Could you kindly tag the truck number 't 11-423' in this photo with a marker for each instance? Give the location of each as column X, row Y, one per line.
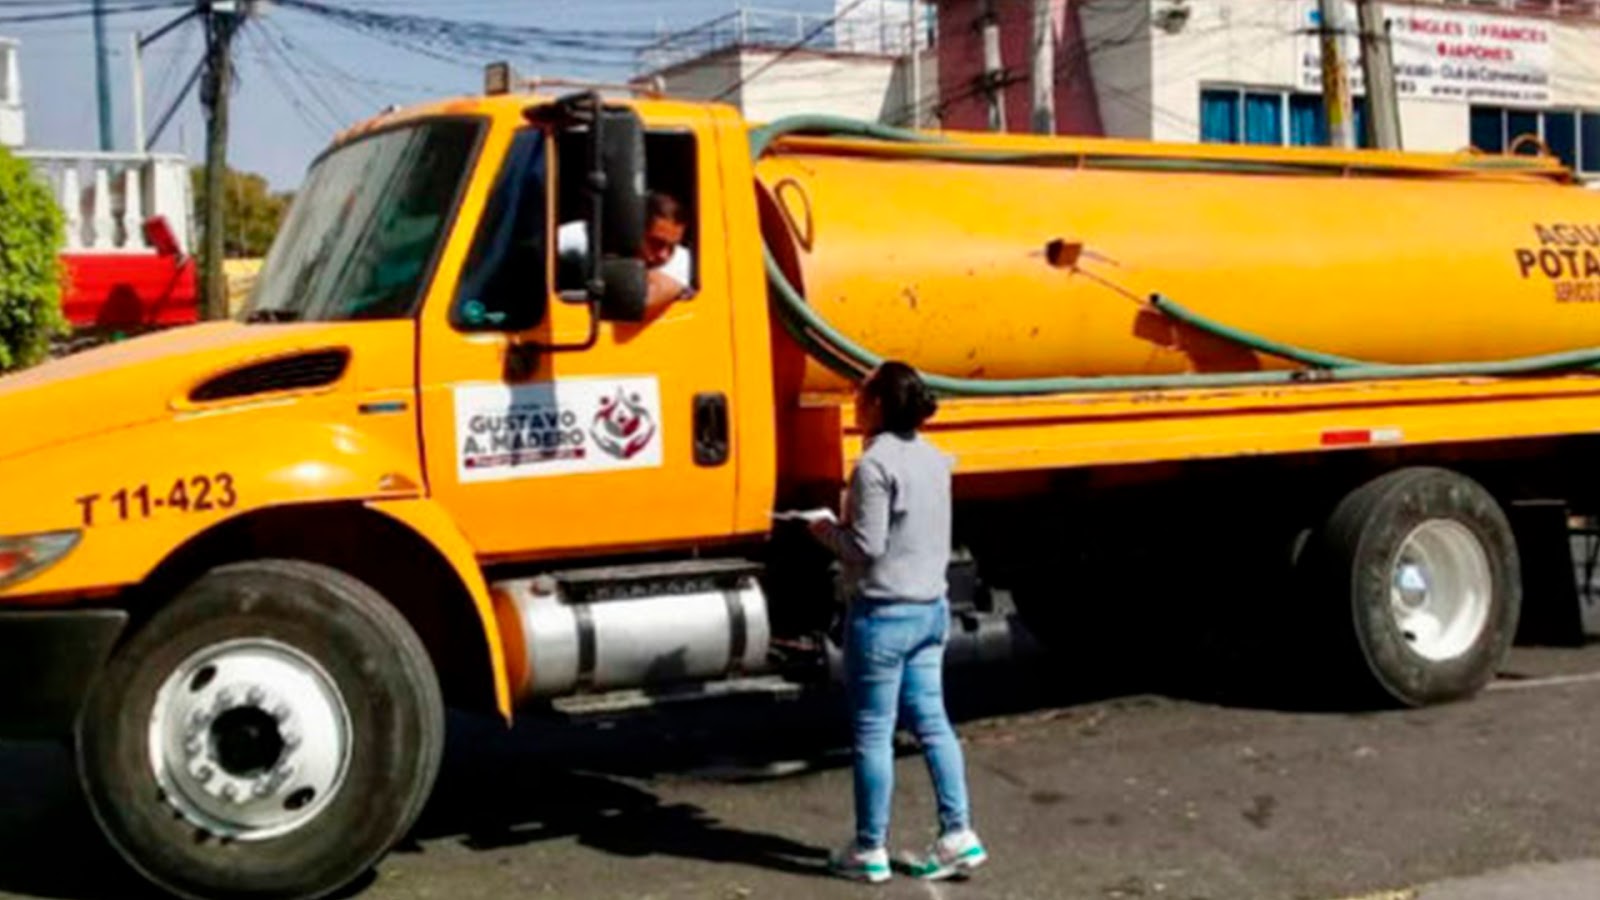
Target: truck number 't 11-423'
column 200, row 493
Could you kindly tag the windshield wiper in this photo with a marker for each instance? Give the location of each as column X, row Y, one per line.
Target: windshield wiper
column 272, row 315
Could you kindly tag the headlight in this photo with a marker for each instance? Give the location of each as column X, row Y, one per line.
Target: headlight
column 26, row 556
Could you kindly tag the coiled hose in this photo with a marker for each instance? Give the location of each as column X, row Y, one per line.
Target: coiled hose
column 843, row 355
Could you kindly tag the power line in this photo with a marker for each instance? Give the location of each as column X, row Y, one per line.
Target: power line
column 317, row 129
column 337, row 117
column 574, row 47
column 171, row 70
column 403, row 44
column 88, row 12
column 362, row 90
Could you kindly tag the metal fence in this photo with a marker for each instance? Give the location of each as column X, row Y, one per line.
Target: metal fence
column 1590, row 8
column 757, row 27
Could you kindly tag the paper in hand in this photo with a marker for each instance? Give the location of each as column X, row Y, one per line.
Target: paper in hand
column 807, row 516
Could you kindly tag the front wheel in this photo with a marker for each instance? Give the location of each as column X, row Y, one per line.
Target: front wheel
column 1418, row 576
column 269, row 734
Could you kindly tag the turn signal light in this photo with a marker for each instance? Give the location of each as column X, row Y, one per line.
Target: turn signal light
column 25, row 556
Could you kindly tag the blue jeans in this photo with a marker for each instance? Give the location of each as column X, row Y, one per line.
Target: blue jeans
column 894, row 658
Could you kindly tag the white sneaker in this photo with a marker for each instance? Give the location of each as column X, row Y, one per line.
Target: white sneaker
column 854, row 863
column 956, row 853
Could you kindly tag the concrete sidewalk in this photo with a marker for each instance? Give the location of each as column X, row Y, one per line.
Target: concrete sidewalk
column 1578, row 880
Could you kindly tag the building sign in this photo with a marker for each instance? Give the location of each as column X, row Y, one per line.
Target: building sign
column 1445, row 55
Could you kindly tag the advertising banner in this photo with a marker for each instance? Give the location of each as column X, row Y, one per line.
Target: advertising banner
column 1445, row 55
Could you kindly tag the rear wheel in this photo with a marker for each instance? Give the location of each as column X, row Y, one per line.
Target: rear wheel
column 269, row 734
column 1417, row 576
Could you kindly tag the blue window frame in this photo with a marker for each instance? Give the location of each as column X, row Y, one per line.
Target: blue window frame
column 1573, row 136
column 1305, row 121
column 1561, row 136
column 1270, row 117
column 1263, row 119
column 1219, row 117
column 1589, row 143
column 1488, row 129
column 1358, row 121
column 1521, row 122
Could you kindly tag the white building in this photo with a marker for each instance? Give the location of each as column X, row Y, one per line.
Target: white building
column 13, row 122
column 773, row 63
column 104, row 197
column 1470, row 74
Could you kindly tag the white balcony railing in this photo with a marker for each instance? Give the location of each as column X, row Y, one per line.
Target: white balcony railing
column 106, row 197
column 1565, row 8
column 871, row 31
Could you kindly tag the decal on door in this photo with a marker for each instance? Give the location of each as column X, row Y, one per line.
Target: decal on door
column 560, row 427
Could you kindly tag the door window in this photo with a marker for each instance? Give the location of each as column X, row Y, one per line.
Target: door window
column 670, row 180
column 504, row 285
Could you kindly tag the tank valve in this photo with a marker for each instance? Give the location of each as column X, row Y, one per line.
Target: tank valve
column 1063, row 254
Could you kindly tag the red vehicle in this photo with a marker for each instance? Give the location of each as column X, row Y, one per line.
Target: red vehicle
column 127, row 292
column 126, row 220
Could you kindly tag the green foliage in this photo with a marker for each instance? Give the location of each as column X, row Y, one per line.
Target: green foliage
column 31, row 274
column 251, row 212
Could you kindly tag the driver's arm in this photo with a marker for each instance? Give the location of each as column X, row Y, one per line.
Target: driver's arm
column 670, row 283
column 664, row 290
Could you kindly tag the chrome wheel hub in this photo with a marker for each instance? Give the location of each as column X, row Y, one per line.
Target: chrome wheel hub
column 249, row 739
column 1440, row 589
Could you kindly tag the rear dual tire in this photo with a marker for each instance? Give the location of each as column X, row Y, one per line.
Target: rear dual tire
column 1417, row 577
column 1407, row 593
column 268, row 735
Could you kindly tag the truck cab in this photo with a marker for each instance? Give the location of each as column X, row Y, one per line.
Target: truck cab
column 420, row 399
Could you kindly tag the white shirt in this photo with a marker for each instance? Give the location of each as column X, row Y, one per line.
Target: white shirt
column 572, row 240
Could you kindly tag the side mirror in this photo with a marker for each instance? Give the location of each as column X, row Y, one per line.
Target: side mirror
column 625, row 290
column 620, row 166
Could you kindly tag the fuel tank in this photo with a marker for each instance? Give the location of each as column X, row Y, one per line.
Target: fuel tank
column 1391, row 258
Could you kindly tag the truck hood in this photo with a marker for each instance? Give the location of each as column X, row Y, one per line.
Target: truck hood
column 142, row 380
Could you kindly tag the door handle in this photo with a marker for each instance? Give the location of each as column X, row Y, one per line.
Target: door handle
column 710, row 429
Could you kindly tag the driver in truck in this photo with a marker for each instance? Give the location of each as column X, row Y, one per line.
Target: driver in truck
column 670, row 263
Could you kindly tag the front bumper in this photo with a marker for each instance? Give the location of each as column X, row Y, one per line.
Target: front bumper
column 48, row 662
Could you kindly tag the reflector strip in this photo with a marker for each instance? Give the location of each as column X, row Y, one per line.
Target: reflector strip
column 1357, row 437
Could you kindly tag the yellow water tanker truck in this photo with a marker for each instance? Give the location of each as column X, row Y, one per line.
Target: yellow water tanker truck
column 245, row 565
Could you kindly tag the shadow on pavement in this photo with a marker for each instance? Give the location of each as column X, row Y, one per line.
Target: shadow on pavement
column 605, row 814
column 590, row 779
column 50, row 846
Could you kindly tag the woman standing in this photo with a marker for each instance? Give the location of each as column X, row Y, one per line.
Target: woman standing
column 895, row 546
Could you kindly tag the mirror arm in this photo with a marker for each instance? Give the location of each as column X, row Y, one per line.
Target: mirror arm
column 524, row 353
column 597, row 192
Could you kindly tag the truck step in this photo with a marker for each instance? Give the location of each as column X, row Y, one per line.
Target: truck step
column 628, row 581
column 615, row 702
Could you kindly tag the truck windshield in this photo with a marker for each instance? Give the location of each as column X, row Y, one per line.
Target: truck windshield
column 361, row 237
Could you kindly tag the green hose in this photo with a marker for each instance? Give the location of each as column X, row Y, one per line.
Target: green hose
column 843, row 355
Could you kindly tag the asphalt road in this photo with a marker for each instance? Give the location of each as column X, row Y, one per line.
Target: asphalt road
column 1168, row 790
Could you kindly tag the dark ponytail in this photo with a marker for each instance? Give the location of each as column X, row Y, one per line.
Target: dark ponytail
column 902, row 396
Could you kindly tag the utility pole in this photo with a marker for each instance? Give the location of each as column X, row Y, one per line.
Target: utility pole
column 136, row 64
column 1044, row 68
column 1335, row 75
column 915, row 104
column 993, row 72
column 221, row 22
column 102, row 75
column 1377, row 66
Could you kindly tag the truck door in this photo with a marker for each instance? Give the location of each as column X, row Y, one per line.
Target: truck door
column 609, row 447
